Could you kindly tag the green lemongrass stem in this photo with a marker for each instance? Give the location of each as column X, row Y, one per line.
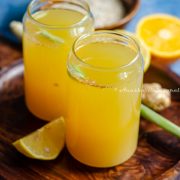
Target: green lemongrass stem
column 159, row 120
column 17, row 29
column 79, row 72
column 51, row 36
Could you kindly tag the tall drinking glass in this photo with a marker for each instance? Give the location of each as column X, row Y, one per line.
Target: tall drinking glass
column 104, row 84
column 50, row 28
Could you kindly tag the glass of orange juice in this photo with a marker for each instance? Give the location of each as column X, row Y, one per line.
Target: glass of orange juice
column 50, row 28
column 104, row 95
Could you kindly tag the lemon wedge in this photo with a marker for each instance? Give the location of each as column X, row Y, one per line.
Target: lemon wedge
column 45, row 143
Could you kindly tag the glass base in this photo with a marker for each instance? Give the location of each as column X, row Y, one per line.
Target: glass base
column 101, row 165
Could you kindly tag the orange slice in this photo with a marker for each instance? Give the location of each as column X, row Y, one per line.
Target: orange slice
column 161, row 33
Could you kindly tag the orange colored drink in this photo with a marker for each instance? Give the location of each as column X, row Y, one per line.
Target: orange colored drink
column 105, row 78
column 49, row 34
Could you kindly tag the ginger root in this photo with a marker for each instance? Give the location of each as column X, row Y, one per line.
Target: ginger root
column 156, row 97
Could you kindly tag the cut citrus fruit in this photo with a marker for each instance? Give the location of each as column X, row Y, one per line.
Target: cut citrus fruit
column 160, row 32
column 144, row 49
column 45, row 143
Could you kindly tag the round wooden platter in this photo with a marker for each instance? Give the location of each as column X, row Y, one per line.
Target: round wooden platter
column 157, row 156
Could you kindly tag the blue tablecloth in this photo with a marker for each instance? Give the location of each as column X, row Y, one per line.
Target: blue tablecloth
column 14, row 10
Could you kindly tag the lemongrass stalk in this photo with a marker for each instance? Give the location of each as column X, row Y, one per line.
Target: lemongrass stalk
column 50, row 36
column 159, row 120
column 17, row 29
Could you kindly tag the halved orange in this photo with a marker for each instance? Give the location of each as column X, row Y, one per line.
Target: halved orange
column 161, row 33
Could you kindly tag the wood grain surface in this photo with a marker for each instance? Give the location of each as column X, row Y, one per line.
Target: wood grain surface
column 157, row 155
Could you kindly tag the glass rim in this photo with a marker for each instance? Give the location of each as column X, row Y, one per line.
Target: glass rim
column 89, row 14
column 119, row 34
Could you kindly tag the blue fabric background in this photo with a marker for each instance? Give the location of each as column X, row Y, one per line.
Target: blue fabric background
column 14, row 10
column 11, row 10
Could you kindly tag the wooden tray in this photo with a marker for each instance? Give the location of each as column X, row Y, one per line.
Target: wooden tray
column 157, row 156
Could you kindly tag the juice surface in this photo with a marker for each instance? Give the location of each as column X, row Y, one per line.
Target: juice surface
column 103, row 118
column 45, row 58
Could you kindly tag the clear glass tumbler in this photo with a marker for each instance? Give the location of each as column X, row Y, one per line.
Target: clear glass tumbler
column 50, row 28
column 104, row 96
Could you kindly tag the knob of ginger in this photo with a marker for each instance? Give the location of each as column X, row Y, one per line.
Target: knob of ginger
column 156, row 97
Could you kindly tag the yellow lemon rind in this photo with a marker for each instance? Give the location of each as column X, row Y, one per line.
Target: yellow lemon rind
column 24, row 148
